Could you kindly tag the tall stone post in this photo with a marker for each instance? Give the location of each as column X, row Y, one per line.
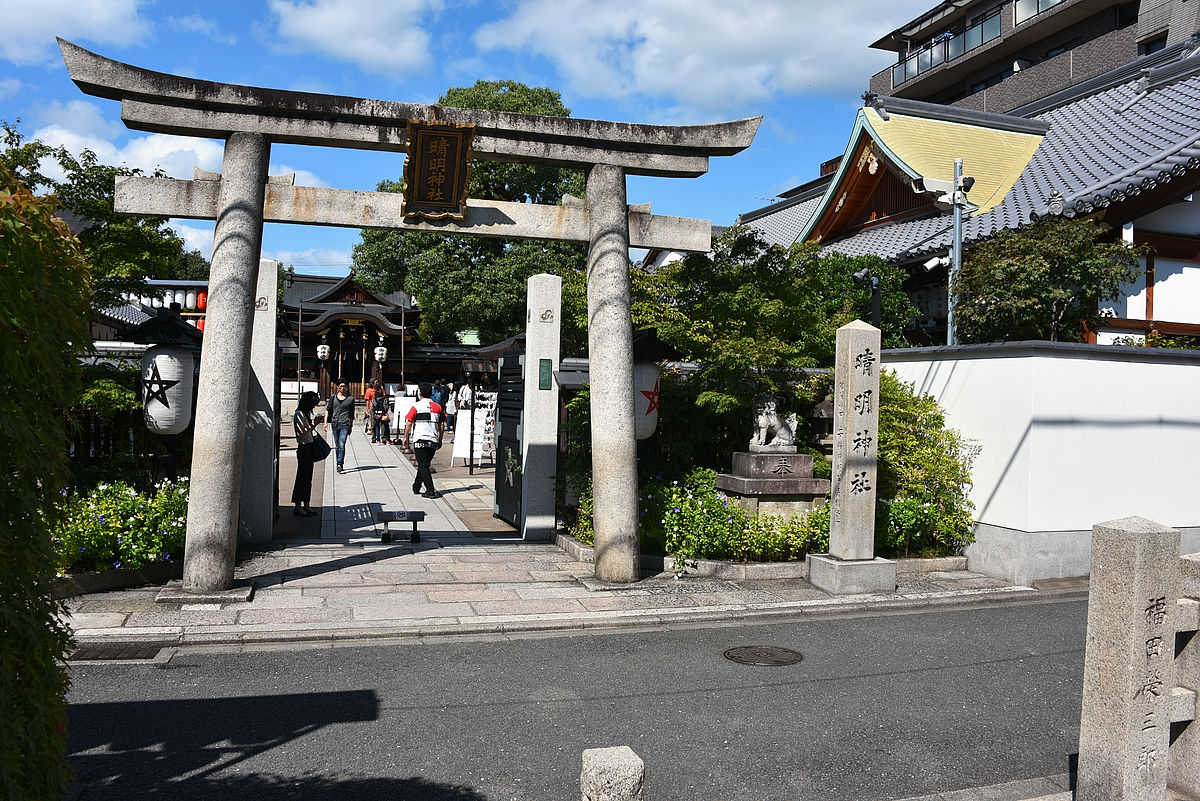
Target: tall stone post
column 218, row 444
column 610, row 353
column 539, row 418
column 256, row 511
column 1125, row 723
column 851, row 566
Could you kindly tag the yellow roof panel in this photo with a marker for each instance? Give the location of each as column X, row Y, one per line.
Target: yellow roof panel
column 993, row 157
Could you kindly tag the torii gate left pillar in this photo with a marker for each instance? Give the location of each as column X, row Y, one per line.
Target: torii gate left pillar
column 211, row 545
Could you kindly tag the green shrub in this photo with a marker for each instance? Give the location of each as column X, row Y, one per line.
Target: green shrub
column 43, row 321
column 114, row 526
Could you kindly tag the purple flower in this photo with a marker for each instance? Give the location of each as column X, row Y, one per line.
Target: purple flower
column 116, row 564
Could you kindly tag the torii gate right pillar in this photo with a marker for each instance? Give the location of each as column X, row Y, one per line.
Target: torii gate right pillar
column 610, row 353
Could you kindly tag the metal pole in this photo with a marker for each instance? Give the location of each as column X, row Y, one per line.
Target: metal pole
column 471, row 430
column 403, row 337
column 876, row 310
column 956, row 256
column 300, row 353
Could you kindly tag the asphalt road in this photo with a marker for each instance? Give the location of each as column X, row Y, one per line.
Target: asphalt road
column 881, row 707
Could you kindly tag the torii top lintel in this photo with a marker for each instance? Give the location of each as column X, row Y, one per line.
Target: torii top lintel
column 163, row 103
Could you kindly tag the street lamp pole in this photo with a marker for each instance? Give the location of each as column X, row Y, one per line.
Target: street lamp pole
column 956, row 254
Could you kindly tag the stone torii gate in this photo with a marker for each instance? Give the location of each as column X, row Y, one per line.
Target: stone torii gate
column 241, row 199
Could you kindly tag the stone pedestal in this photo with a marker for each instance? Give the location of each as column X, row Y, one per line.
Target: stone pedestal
column 539, row 420
column 851, row 576
column 773, row 480
column 256, row 507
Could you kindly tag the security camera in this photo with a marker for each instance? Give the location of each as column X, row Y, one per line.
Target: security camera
column 967, row 183
column 929, row 186
column 935, row 262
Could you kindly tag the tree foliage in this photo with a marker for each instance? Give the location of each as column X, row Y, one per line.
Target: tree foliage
column 469, row 282
column 1042, row 282
column 43, row 313
column 120, row 249
column 754, row 314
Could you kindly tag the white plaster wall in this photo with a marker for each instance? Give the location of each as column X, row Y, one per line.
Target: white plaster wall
column 1176, row 291
column 1071, row 436
column 990, row 401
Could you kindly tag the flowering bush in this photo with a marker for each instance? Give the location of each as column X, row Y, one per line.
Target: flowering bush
column 115, row 526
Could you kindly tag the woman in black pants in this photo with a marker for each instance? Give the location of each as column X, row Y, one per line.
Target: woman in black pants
column 304, row 424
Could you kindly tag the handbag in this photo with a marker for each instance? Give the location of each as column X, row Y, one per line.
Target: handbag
column 320, row 449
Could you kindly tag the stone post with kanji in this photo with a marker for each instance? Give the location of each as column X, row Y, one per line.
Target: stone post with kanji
column 851, row 566
column 1128, row 671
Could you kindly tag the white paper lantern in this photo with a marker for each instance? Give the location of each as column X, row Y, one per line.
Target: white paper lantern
column 190, row 299
column 322, row 352
column 180, row 297
column 645, row 400
column 381, row 354
column 167, row 388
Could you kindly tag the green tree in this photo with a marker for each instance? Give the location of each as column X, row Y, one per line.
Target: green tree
column 464, row 282
column 43, row 320
column 121, row 250
column 1042, row 282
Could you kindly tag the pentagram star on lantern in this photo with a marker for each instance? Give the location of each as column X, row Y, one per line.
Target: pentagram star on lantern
column 155, row 387
column 653, row 396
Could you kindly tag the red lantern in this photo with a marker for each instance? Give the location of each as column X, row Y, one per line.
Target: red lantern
column 202, row 301
column 200, row 324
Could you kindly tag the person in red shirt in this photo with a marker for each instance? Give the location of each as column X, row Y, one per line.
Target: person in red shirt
column 369, row 404
column 423, row 429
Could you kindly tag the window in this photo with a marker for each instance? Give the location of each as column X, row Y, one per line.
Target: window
column 1152, row 45
column 1027, row 9
column 1055, row 51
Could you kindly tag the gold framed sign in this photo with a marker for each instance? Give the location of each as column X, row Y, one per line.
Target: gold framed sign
column 437, row 170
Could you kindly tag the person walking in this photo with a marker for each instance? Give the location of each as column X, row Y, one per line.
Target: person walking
column 304, row 424
column 368, row 406
column 381, row 415
column 423, row 429
column 340, row 413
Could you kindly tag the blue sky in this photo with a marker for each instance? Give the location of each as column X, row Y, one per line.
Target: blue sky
column 802, row 65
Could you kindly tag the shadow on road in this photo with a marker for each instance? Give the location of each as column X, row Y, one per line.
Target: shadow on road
column 195, row 749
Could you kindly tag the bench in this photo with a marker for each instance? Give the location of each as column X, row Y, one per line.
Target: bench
column 402, row 516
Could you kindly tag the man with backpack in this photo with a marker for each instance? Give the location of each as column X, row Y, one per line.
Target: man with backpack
column 423, row 432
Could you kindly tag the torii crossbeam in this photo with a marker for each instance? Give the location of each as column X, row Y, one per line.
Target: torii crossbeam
column 250, row 119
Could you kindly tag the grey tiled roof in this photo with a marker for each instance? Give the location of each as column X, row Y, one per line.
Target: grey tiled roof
column 1123, row 139
column 128, row 314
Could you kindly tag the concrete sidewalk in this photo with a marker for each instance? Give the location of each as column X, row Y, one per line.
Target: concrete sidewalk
column 339, row 583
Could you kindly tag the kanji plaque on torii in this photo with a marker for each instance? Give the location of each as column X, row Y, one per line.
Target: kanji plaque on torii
column 437, row 170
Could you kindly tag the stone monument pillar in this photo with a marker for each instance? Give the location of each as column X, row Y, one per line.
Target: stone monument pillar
column 539, row 418
column 851, row 566
column 1125, row 725
column 212, row 521
column 256, row 509
column 610, row 351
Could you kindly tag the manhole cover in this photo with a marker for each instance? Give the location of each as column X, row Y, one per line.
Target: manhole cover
column 764, row 655
column 115, row 650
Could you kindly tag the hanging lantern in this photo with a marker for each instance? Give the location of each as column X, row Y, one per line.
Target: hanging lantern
column 202, row 300
column 381, row 354
column 190, row 299
column 645, row 400
column 180, row 297
column 322, row 352
column 167, row 389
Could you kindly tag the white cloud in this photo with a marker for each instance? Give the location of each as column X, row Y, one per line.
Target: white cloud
column 315, row 261
column 707, row 55
column 30, row 28
column 303, row 177
column 9, row 86
column 203, row 26
column 80, row 124
column 382, row 36
column 194, row 238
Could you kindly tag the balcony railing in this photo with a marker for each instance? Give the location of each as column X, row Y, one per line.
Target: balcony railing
column 950, row 46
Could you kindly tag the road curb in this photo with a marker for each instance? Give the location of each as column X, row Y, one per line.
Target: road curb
column 542, row 624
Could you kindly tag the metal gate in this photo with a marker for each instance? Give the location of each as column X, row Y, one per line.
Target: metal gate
column 510, row 403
